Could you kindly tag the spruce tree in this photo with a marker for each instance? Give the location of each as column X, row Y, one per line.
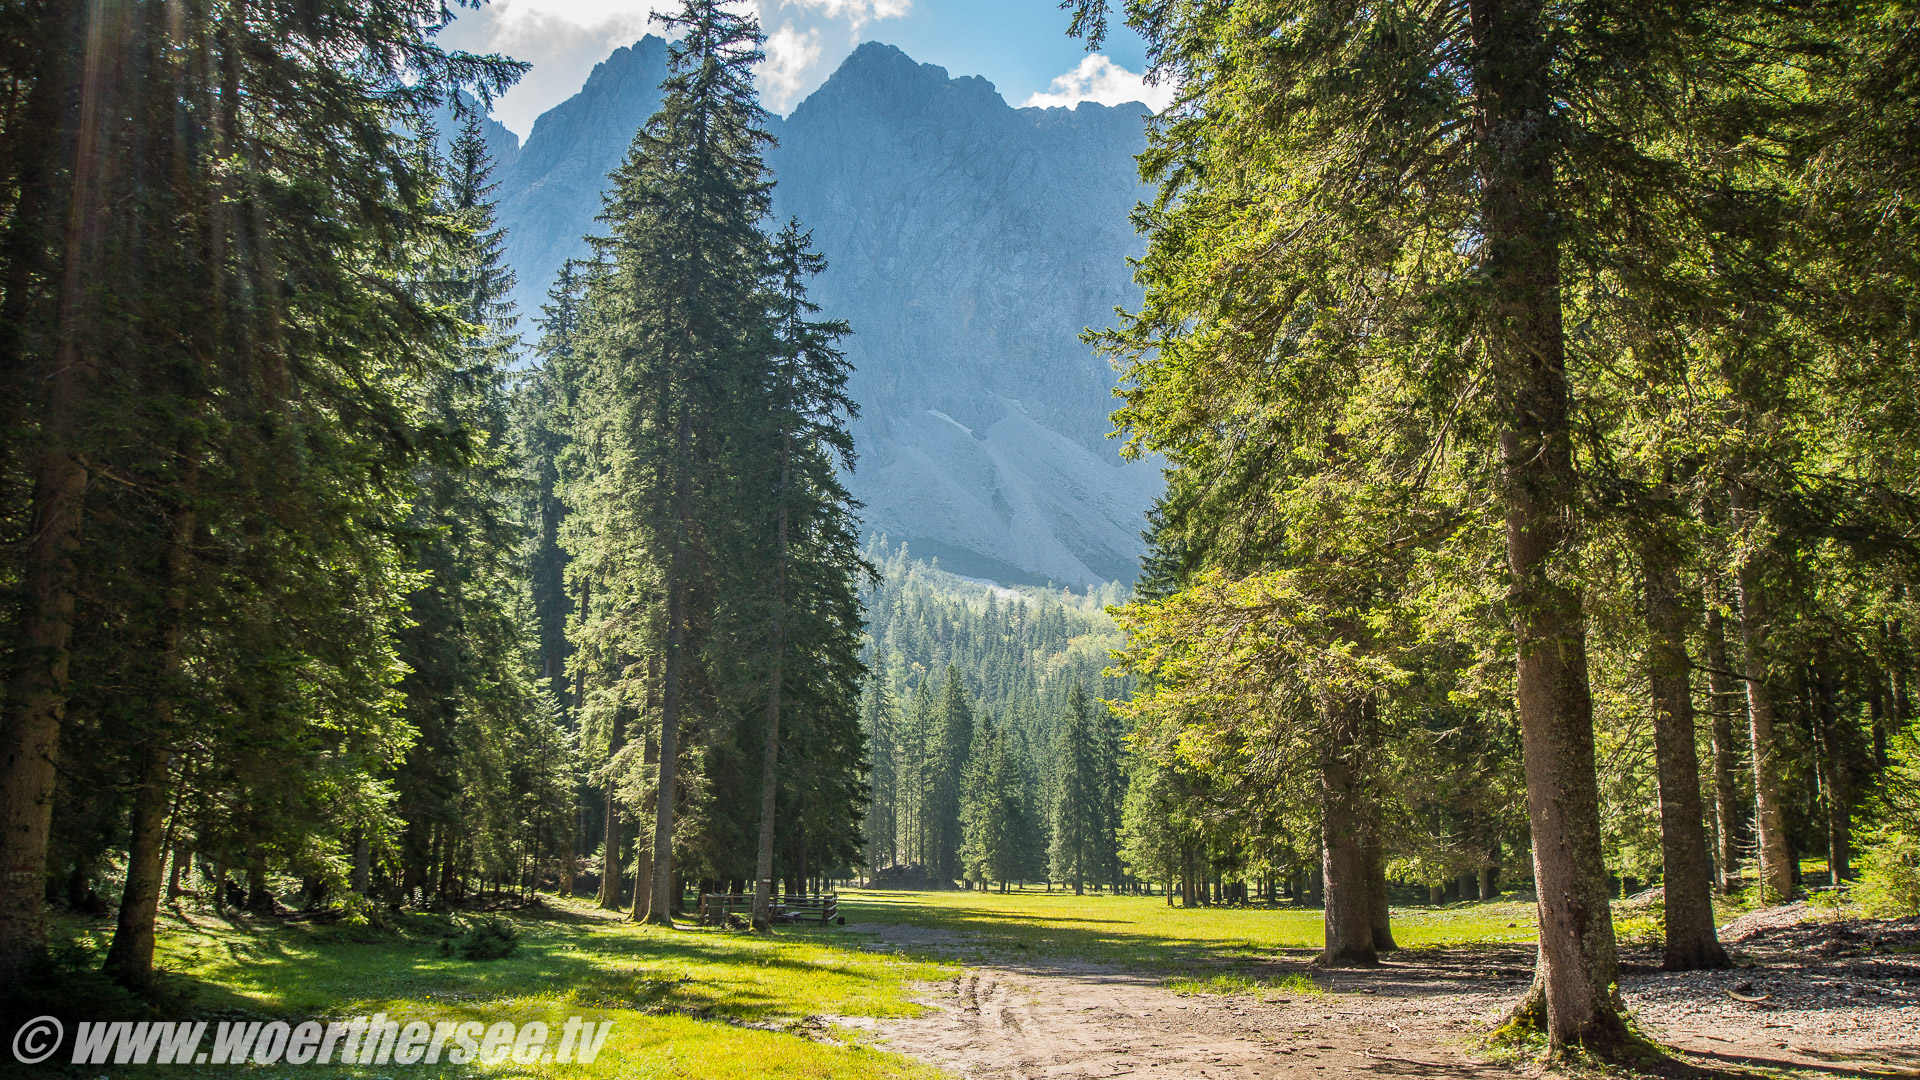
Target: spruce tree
column 949, row 742
column 1080, row 807
column 676, row 344
column 262, row 433
column 466, row 691
column 811, row 606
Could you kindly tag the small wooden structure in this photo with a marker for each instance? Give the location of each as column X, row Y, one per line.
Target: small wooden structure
column 717, row 908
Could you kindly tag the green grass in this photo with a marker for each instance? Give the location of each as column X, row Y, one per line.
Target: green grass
column 691, row 1004
column 1299, row 983
column 681, row 1000
column 1142, row 931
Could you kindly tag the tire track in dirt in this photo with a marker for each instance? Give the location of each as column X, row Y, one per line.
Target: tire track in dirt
column 1081, row 1022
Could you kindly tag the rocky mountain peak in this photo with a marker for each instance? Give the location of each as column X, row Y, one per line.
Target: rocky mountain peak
column 969, row 243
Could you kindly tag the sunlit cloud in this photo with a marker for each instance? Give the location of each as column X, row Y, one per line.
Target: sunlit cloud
column 856, row 12
column 563, row 39
column 1099, row 80
column 791, row 57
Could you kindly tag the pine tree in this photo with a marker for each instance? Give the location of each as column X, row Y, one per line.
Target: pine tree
column 676, row 344
column 1080, row 808
column 259, row 438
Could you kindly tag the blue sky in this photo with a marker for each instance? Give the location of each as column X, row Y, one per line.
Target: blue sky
column 1019, row 45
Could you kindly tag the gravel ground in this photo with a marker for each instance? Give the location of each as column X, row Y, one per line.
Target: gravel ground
column 1834, row 991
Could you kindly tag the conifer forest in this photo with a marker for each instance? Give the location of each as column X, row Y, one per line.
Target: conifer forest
column 1535, row 385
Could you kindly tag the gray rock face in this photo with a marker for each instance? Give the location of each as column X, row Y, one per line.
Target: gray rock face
column 969, row 244
column 550, row 195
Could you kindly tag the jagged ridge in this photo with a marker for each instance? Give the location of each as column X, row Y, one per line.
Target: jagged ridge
column 970, row 242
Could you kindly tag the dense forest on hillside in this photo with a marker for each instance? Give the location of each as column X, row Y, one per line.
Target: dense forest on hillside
column 983, row 701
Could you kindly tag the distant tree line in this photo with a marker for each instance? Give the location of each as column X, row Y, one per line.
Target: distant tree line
column 994, row 756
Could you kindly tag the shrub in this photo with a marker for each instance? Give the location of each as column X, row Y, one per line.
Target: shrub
column 489, row 939
column 1890, row 873
column 1890, row 825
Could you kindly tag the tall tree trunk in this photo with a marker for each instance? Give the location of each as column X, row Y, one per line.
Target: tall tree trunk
column 35, row 700
column 1691, row 943
column 1770, row 820
column 649, row 759
column 259, row 900
column 1349, row 910
column 612, row 869
column 130, row 956
column 1527, row 347
column 770, row 753
column 1726, row 792
column 1832, row 748
column 660, row 911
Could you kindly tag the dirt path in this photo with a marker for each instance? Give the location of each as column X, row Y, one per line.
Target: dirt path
column 1412, row 1017
column 1065, row 1025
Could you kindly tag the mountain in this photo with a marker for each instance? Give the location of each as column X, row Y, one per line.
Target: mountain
column 969, row 243
column 550, row 194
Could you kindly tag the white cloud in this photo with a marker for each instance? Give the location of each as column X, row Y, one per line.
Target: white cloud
column 857, row 12
column 791, row 56
column 563, row 39
column 813, row 36
column 1099, row 80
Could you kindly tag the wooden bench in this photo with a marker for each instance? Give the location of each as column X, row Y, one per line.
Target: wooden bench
column 820, row 909
column 717, row 908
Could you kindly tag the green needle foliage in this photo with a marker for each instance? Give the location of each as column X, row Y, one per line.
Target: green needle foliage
column 1526, row 371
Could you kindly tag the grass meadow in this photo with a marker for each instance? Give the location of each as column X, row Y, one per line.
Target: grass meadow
column 694, row 1004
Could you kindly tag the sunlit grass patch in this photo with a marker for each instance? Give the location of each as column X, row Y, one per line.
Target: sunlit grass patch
column 575, row 958
column 1298, row 983
column 1142, row 931
column 680, row 1000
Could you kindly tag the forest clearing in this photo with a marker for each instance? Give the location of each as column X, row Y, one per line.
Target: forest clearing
column 1449, row 609
column 1047, row 984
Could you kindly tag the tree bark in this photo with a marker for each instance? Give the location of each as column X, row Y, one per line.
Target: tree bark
column 130, row 956
column 770, row 752
column 259, row 900
column 1349, row 911
column 1836, row 780
column 612, row 868
column 1521, row 266
column 1770, row 820
column 36, row 693
column 649, row 759
column 1726, row 792
column 1379, row 910
column 1691, row 943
